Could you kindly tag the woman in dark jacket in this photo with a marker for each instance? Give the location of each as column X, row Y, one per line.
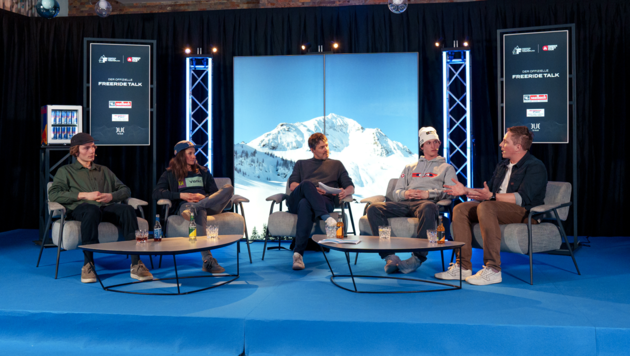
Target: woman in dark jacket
column 190, row 187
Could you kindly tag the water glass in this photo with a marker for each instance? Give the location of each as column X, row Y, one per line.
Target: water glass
column 212, row 232
column 384, row 232
column 432, row 236
column 331, row 232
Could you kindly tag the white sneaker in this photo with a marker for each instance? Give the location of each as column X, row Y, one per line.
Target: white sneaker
column 331, row 222
column 409, row 265
column 298, row 261
column 453, row 272
column 484, row 277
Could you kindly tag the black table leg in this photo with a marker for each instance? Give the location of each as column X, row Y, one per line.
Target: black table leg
column 350, row 268
column 176, row 275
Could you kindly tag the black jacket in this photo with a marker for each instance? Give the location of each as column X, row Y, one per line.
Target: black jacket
column 166, row 188
column 528, row 179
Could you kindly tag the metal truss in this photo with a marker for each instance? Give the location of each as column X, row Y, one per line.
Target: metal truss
column 199, row 106
column 457, row 111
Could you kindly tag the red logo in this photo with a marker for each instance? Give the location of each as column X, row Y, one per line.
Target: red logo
column 129, row 58
column 425, row 175
column 402, row 175
column 545, row 48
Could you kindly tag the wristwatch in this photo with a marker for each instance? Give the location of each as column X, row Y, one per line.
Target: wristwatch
column 493, row 197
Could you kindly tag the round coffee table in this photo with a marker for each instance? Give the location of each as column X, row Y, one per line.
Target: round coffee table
column 168, row 246
column 373, row 244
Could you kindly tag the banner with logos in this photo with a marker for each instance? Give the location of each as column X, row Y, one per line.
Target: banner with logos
column 536, row 86
column 120, row 94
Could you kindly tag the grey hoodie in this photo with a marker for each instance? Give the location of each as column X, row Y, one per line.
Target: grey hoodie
column 426, row 175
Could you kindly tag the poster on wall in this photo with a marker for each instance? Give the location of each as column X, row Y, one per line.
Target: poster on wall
column 368, row 112
column 536, row 88
column 120, row 94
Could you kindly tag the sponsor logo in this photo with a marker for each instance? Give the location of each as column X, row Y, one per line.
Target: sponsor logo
column 535, row 112
column 549, row 48
column 104, row 59
column 423, row 175
column 402, row 175
column 120, row 117
column 535, row 127
column 119, row 104
column 519, row 50
column 120, row 131
column 535, row 98
column 133, row 59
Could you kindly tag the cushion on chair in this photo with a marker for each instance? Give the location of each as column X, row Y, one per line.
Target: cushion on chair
column 282, row 223
column 229, row 224
column 107, row 232
column 558, row 193
column 401, row 227
column 545, row 237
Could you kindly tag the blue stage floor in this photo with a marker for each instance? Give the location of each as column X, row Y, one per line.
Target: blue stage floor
column 273, row 310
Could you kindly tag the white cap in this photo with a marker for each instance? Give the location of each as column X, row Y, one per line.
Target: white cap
column 427, row 133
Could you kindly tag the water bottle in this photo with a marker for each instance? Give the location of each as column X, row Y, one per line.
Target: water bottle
column 157, row 229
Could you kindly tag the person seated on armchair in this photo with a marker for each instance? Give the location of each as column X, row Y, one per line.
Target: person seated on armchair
column 308, row 200
column 192, row 189
column 88, row 191
column 418, row 189
column 518, row 184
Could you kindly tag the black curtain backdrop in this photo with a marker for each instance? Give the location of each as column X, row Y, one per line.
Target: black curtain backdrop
column 41, row 63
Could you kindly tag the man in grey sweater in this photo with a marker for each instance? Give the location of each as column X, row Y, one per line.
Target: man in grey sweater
column 419, row 187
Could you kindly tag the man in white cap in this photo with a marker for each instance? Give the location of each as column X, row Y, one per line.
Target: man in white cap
column 418, row 189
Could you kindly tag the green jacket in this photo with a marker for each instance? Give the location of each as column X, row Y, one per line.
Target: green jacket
column 73, row 179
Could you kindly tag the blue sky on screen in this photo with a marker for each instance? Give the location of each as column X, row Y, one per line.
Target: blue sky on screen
column 376, row 90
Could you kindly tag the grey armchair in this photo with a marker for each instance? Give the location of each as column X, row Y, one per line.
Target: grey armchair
column 66, row 234
column 401, row 227
column 527, row 239
column 283, row 224
column 229, row 223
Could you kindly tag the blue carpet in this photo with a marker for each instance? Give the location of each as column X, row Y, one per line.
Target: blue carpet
column 273, row 310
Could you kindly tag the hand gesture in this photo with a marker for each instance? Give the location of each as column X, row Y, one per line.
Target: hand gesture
column 480, row 194
column 455, row 190
column 93, row 196
column 320, row 190
column 104, row 198
column 198, row 197
column 416, row 194
column 343, row 194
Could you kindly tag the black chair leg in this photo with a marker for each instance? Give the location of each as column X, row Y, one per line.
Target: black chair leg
column 356, row 258
column 151, row 259
column 265, row 247
column 566, row 240
column 41, row 249
column 160, row 264
column 442, row 253
column 249, row 251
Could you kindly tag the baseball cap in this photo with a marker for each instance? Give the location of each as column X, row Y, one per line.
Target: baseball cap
column 81, row 139
column 182, row 145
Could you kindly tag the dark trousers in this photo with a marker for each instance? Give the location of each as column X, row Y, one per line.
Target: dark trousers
column 424, row 210
column 309, row 206
column 91, row 216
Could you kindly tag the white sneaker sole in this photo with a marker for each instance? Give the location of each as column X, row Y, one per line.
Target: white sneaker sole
column 88, row 280
column 482, row 282
column 449, row 277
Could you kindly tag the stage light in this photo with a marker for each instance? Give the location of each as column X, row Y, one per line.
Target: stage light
column 187, row 50
column 465, row 43
column 335, row 45
column 103, row 8
column 397, row 6
column 215, row 50
column 437, row 44
column 47, row 8
column 305, row 47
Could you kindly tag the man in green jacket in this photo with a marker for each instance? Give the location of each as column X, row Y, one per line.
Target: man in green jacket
column 88, row 191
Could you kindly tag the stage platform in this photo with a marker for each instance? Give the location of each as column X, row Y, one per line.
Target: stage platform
column 273, row 310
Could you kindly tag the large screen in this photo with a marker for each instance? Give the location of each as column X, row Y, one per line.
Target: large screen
column 120, row 94
column 366, row 104
column 536, row 72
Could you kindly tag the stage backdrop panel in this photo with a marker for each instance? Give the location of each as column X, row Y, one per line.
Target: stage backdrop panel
column 536, row 72
column 120, row 93
column 366, row 104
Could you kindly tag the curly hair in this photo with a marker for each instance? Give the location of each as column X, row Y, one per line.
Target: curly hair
column 315, row 139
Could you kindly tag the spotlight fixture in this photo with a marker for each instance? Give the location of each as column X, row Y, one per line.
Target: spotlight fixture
column 103, row 8
column 439, row 42
column 466, row 43
column 305, row 47
column 215, row 50
column 335, row 45
column 397, row 6
column 187, row 50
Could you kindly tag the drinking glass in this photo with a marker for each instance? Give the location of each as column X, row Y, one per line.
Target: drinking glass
column 138, row 235
column 212, row 232
column 331, row 232
column 384, row 232
column 145, row 235
column 432, row 236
